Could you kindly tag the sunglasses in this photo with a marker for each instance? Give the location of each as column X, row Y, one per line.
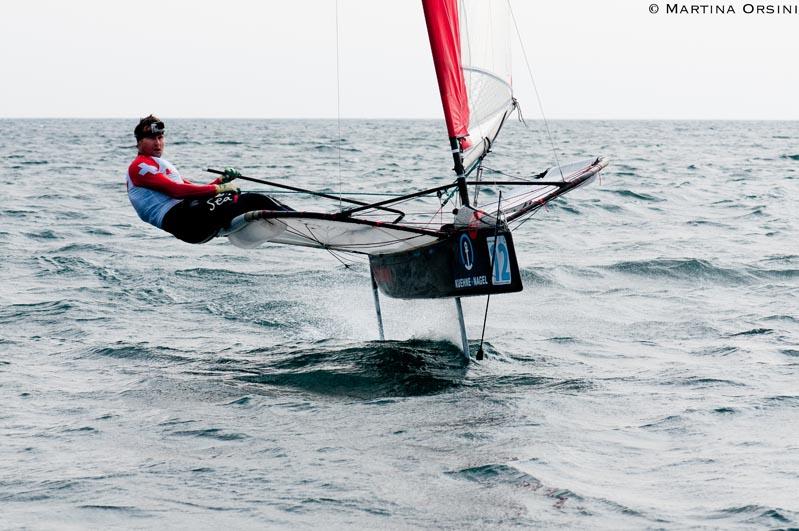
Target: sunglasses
column 154, row 129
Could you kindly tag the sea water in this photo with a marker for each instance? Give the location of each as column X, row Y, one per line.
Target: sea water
column 647, row 376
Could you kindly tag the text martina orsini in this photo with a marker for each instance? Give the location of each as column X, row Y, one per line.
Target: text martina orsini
column 725, row 9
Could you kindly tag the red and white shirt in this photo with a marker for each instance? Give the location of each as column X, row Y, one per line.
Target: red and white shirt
column 155, row 186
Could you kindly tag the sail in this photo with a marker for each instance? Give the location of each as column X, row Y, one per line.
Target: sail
column 470, row 42
column 443, row 30
column 326, row 231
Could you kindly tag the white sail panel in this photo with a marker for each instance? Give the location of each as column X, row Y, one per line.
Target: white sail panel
column 308, row 229
column 485, row 32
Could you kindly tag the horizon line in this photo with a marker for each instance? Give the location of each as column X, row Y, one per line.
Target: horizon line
column 594, row 119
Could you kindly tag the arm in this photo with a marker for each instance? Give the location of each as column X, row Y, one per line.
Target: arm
column 218, row 180
column 148, row 177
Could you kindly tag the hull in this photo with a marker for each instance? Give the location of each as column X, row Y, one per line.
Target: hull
column 467, row 263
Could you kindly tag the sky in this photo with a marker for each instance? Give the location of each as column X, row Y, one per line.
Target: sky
column 610, row 59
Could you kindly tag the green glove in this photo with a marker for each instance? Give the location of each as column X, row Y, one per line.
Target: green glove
column 226, row 187
column 230, row 174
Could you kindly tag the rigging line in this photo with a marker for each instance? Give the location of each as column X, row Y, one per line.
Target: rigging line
column 520, row 198
column 338, row 103
column 465, row 26
column 348, row 264
column 535, row 88
column 375, row 194
column 334, row 255
column 478, row 179
column 479, row 354
column 313, row 236
column 439, row 212
column 527, row 217
column 507, row 174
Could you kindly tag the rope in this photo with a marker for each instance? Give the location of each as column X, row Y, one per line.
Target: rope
column 323, row 246
column 479, row 354
column 525, row 218
column 500, row 172
column 479, row 177
column 535, row 88
column 375, row 194
column 338, row 104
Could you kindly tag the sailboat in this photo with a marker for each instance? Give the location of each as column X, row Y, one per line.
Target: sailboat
column 472, row 253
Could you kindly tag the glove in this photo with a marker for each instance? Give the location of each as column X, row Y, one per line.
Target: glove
column 230, row 174
column 227, row 187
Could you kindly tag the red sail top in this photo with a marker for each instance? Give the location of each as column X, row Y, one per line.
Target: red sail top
column 445, row 42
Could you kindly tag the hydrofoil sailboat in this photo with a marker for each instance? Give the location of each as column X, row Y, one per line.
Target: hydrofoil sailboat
column 413, row 257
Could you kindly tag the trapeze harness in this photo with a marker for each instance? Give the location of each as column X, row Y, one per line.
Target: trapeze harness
column 194, row 213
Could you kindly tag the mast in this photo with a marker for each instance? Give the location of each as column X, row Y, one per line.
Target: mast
column 457, row 155
column 470, row 43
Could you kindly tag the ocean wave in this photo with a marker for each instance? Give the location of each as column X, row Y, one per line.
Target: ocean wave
column 139, row 351
column 779, row 401
column 706, row 223
column 212, row 433
column 640, row 196
column 84, row 247
column 219, row 275
column 494, row 475
column 668, row 423
column 62, row 265
column 772, row 274
column 45, row 234
column 701, row 382
column 273, row 314
column 532, row 276
column 17, row 213
column 242, row 401
column 40, row 311
column 520, row 381
column 336, row 147
column 681, row 269
column 718, row 350
column 123, row 509
column 782, row 259
column 753, row 332
column 497, row 473
column 761, row 515
column 369, row 371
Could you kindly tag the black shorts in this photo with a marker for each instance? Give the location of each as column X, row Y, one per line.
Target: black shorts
column 199, row 220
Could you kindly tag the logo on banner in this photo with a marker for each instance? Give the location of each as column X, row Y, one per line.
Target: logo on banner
column 466, row 252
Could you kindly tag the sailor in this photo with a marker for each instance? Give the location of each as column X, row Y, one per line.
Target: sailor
column 194, row 213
